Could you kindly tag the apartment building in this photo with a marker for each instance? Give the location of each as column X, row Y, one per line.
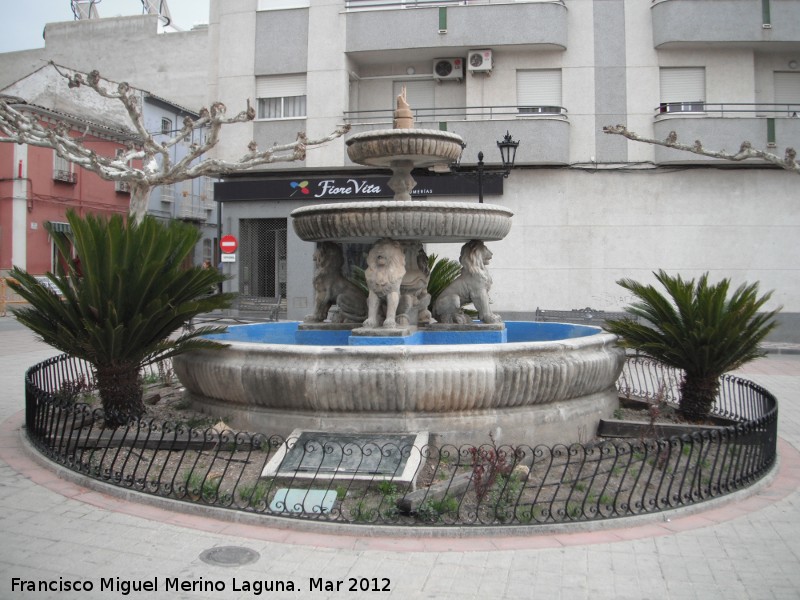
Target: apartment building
column 590, row 208
column 38, row 186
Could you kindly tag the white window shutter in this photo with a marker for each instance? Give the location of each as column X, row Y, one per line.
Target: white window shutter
column 787, row 88
column 280, row 86
column 539, row 87
column 683, row 84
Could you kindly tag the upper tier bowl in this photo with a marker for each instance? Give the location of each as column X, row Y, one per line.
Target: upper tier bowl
column 422, row 147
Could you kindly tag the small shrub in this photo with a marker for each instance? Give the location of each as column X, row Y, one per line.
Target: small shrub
column 387, row 488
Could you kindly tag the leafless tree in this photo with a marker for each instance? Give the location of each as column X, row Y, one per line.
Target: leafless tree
column 788, row 162
column 20, row 126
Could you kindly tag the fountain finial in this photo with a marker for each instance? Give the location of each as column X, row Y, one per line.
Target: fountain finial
column 403, row 118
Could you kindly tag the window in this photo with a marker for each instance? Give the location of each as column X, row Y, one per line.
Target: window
column 539, row 91
column 683, row 89
column 420, row 96
column 166, row 126
column 63, row 170
column 787, row 92
column 281, row 96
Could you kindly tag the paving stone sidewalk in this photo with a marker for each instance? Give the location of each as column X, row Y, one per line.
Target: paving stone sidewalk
column 64, row 534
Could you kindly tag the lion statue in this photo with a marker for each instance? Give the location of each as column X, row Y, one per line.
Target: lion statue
column 331, row 287
column 385, row 270
column 472, row 285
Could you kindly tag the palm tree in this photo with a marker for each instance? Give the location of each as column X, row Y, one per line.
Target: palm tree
column 120, row 302
column 443, row 272
column 698, row 328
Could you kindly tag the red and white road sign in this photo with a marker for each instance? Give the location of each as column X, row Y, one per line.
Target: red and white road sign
column 228, row 244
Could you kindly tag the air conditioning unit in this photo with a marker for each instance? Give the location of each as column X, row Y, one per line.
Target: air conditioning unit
column 448, row 68
column 479, row 60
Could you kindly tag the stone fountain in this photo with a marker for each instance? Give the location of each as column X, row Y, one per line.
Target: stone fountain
column 389, row 361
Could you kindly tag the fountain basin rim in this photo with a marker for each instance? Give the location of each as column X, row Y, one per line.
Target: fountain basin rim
column 402, row 205
column 599, row 337
column 418, row 220
column 382, row 134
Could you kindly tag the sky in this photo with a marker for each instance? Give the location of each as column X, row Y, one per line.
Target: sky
column 22, row 21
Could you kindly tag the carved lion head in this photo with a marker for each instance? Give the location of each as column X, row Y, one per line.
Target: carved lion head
column 475, row 256
column 386, row 257
column 328, row 257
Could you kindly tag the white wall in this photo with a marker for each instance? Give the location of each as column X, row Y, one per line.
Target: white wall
column 575, row 233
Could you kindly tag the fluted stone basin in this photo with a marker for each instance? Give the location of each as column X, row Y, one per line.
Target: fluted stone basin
column 547, row 391
column 422, row 147
column 424, row 221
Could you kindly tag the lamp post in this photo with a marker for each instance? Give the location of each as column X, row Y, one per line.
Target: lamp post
column 508, row 154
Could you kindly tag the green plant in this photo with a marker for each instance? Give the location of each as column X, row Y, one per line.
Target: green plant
column 362, row 512
column 443, row 272
column 120, row 301
column 504, row 496
column 254, row 494
column 71, row 392
column 431, row 510
column 341, row 492
column 200, row 484
column 387, row 488
column 697, row 327
column 574, row 510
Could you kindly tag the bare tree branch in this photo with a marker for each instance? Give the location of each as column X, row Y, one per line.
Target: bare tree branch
column 21, row 126
column 788, row 162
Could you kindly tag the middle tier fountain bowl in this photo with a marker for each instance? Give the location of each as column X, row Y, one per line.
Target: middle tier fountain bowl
column 548, row 383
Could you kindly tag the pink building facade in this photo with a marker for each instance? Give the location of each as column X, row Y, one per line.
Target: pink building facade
column 37, row 186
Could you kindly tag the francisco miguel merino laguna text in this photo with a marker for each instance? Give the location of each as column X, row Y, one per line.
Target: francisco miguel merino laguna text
column 175, row 584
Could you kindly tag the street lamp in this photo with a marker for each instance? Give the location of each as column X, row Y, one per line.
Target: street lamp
column 508, row 153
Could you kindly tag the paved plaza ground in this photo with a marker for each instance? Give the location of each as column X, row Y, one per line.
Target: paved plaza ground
column 60, row 532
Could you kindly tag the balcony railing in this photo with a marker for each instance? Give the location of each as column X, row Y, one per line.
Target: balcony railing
column 379, row 4
column 193, row 208
column 65, row 176
column 455, row 113
column 730, row 109
column 480, row 127
column 122, row 187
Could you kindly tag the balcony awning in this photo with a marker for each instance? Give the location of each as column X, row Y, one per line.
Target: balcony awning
column 59, row 227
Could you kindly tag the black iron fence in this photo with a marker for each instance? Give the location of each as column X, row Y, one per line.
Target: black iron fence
column 394, row 481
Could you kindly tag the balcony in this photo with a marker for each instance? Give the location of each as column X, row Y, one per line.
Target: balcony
column 544, row 129
column 769, row 127
column 193, row 208
column 686, row 23
column 65, row 176
column 443, row 28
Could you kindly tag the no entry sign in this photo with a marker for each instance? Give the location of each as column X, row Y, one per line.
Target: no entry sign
column 228, row 244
